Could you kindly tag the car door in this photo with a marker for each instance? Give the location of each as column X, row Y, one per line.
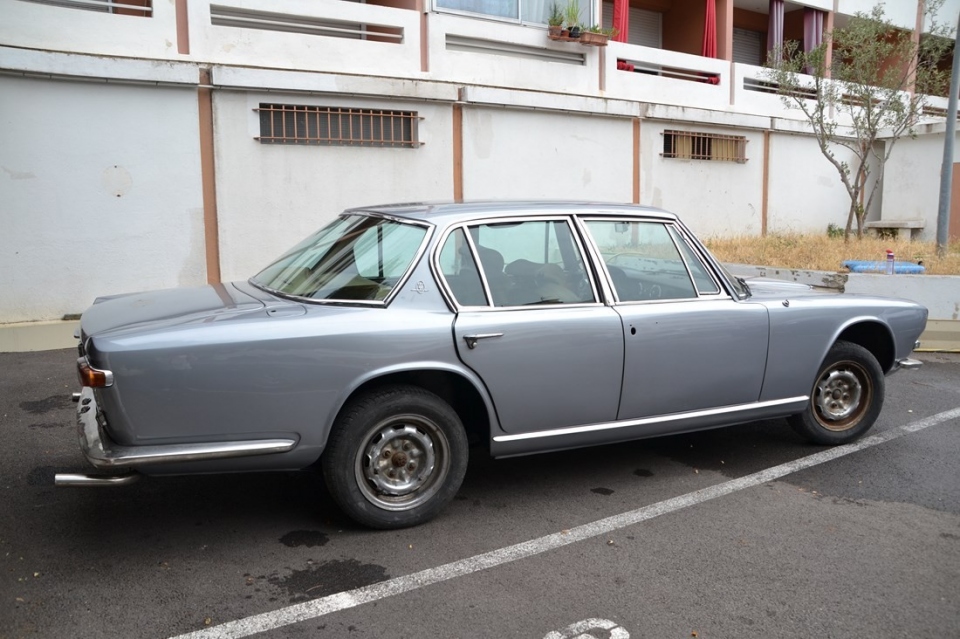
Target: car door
column 530, row 323
column 688, row 345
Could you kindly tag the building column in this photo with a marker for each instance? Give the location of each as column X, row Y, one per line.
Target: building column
column 725, row 30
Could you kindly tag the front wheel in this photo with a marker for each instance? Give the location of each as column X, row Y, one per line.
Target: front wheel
column 846, row 397
column 395, row 457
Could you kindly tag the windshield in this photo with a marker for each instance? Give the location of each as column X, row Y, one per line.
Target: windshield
column 356, row 257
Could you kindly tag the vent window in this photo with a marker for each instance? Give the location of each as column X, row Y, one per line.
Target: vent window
column 337, row 126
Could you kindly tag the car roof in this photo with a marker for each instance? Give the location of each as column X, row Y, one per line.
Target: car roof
column 445, row 213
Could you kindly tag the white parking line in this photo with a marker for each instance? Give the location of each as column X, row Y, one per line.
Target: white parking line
column 352, row 598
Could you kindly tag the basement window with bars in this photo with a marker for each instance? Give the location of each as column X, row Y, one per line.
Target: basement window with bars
column 688, row 145
column 337, row 126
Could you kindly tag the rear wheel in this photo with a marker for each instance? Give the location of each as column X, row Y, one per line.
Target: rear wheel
column 846, row 398
column 395, row 457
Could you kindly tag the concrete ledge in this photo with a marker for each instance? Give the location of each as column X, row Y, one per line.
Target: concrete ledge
column 941, row 336
column 818, row 279
column 37, row 336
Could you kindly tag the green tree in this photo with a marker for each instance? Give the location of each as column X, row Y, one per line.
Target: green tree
column 869, row 97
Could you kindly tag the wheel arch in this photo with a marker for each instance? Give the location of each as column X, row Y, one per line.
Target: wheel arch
column 873, row 335
column 457, row 389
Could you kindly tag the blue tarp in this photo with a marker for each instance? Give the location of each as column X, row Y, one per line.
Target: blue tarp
column 866, row 266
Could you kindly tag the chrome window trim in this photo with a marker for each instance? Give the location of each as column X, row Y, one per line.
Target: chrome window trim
column 674, row 238
column 569, row 219
column 424, row 243
column 602, row 264
column 643, row 421
column 711, row 262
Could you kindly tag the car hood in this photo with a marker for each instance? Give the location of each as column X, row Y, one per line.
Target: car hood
column 166, row 308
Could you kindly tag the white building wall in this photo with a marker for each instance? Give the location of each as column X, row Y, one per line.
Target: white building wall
column 271, row 196
column 902, row 13
column 530, row 154
column 713, row 198
column 259, row 47
column 99, row 194
column 38, row 26
column 916, row 160
column 805, row 193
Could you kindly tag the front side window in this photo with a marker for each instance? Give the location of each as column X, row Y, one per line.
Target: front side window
column 642, row 259
column 535, row 262
column 354, row 258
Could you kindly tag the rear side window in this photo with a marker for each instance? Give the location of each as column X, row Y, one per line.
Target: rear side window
column 535, row 262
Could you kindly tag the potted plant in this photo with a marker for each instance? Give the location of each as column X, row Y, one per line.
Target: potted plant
column 596, row 36
column 571, row 17
column 555, row 22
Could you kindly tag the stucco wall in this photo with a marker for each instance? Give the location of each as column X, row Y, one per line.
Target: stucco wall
column 529, row 154
column 913, row 160
column 269, row 197
column 805, row 192
column 99, row 194
column 713, row 198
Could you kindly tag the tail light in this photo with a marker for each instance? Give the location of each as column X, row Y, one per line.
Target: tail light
column 93, row 377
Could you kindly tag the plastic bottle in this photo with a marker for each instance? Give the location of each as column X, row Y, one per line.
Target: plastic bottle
column 890, row 262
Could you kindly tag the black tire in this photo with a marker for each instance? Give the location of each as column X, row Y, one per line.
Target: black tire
column 395, row 457
column 846, row 397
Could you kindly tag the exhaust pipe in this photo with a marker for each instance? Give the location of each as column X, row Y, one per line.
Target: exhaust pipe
column 83, row 479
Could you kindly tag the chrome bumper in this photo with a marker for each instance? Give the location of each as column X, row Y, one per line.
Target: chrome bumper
column 103, row 453
column 906, row 364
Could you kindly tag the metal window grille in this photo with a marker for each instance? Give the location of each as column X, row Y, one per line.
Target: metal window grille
column 688, row 145
column 142, row 8
column 337, row 126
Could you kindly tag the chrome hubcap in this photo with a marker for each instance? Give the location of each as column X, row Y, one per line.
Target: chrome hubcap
column 838, row 397
column 402, row 463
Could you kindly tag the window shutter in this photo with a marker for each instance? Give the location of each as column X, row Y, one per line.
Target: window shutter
column 748, row 46
column 645, row 26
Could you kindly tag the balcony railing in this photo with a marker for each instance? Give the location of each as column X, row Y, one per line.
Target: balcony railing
column 141, row 8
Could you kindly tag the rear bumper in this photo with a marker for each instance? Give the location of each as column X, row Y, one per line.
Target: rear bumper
column 104, row 453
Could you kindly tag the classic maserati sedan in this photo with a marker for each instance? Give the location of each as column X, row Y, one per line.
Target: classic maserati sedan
column 380, row 347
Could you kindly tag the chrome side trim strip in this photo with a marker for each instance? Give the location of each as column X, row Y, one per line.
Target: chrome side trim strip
column 674, row 417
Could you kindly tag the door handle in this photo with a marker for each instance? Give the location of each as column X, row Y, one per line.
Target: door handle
column 472, row 340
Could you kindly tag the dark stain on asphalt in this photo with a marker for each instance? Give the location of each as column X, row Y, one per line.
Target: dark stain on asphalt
column 41, row 406
column 43, row 475
column 950, row 536
column 308, row 538
column 642, row 472
column 320, row 580
column 47, row 425
column 601, row 491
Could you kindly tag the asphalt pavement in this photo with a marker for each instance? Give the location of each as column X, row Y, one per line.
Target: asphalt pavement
column 738, row 532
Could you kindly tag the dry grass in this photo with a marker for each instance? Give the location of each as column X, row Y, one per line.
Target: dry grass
column 824, row 253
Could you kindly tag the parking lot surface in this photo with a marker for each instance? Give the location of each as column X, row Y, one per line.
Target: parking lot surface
column 738, row 532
